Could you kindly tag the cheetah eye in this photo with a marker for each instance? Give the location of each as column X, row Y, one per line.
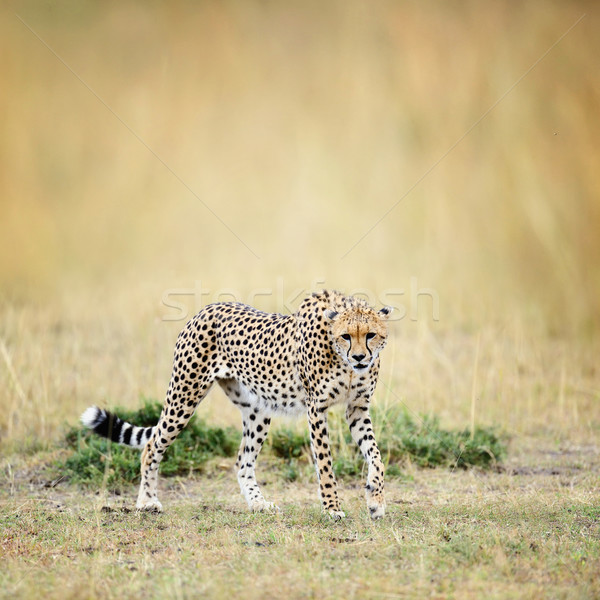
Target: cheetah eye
column 346, row 336
column 371, row 335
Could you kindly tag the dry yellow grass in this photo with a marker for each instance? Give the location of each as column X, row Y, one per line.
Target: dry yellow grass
column 152, row 153
column 301, row 127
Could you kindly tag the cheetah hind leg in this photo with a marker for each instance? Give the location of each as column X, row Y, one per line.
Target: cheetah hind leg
column 151, row 458
column 165, row 432
column 148, row 495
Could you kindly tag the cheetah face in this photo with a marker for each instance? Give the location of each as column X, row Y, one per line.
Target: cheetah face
column 358, row 335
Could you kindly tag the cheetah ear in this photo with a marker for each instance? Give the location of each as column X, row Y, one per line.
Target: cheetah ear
column 330, row 315
column 385, row 312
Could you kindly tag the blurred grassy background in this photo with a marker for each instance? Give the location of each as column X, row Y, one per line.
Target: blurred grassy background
column 300, row 125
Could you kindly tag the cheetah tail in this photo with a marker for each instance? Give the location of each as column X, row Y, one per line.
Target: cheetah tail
column 110, row 426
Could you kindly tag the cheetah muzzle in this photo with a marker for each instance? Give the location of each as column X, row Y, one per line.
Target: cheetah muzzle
column 326, row 353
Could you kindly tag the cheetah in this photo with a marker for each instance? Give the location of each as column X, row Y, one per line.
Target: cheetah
column 324, row 354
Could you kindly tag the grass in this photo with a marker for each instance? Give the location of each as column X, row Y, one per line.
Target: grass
column 457, row 534
column 96, row 462
column 308, row 137
column 506, row 223
column 282, row 160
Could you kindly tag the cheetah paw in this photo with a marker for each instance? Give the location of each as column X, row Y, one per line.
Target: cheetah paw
column 152, row 505
column 336, row 515
column 377, row 511
column 264, row 506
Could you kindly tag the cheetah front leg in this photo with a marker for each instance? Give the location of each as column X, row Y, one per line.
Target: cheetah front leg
column 255, row 431
column 321, row 451
column 361, row 429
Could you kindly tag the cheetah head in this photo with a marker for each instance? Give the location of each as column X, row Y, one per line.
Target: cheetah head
column 358, row 334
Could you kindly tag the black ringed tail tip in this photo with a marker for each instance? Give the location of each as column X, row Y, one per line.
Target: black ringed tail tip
column 108, row 425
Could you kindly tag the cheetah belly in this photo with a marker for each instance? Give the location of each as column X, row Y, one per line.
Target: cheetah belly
column 290, row 403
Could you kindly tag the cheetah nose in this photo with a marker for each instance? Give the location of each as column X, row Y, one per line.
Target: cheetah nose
column 358, row 357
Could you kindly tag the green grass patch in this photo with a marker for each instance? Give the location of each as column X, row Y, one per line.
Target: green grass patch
column 400, row 436
column 427, row 444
